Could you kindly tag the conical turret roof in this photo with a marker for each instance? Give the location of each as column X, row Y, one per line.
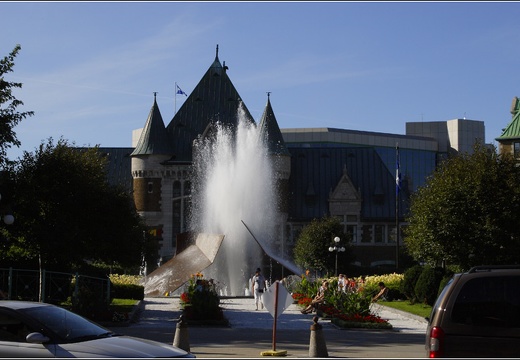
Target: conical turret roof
column 269, row 128
column 213, row 100
column 512, row 131
column 154, row 137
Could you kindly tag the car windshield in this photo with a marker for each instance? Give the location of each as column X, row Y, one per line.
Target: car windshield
column 65, row 325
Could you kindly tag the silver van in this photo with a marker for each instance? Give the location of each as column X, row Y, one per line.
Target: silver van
column 477, row 314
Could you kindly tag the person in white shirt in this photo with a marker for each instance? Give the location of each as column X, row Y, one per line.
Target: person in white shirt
column 342, row 282
column 258, row 286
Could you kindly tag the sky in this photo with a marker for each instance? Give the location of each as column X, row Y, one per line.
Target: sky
column 89, row 69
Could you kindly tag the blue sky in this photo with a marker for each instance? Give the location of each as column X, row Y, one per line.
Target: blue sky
column 89, row 69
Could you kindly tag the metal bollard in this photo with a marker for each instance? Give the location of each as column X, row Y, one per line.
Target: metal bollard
column 181, row 338
column 317, row 346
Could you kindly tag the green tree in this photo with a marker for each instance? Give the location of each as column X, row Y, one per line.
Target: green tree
column 67, row 213
column 468, row 212
column 311, row 250
column 9, row 116
column 427, row 286
column 409, row 281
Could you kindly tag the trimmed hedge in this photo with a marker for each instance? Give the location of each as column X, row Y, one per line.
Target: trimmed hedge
column 127, row 291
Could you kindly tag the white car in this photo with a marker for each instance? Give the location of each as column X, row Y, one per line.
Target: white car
column 33, row 329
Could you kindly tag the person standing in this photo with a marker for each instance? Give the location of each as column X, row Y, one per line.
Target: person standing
column 258, row 285
column 342, row 282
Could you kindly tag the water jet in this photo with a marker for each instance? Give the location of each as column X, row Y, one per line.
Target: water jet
column 234, row 185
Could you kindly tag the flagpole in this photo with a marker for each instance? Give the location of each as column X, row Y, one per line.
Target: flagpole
column 175, row 99
column 397, row 185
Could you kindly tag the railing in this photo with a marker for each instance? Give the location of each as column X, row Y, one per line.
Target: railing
column 56, row 287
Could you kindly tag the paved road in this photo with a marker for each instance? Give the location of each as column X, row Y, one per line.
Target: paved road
column 251, row 332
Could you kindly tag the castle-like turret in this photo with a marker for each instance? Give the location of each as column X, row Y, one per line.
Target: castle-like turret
column 281, row 160
column 509, row 141
column 162, row 159
column 152, row 149
column 281, row 157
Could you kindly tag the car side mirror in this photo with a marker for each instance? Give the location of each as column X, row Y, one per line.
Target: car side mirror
column 36, row 338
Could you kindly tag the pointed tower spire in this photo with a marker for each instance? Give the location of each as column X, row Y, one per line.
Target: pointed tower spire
column 214, row 99
column 280, row 156
column 271, row 131
column 154, row 137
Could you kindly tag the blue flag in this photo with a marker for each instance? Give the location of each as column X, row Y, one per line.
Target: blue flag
column 179, row 91
column 397, row 171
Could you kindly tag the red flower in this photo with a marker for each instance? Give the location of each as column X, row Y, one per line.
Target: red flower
column 185, row 298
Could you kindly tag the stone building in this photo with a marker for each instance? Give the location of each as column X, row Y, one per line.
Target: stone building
column 320, row 171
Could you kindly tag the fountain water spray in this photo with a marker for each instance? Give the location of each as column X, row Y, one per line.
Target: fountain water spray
column 233, row 182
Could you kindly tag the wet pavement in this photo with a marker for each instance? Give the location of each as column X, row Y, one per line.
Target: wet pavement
column 251, row 333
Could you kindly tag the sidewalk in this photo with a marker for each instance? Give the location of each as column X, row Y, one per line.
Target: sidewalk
column 251, row 332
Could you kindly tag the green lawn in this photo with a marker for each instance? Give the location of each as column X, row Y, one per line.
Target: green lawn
column 416, row 309
column 122, row 305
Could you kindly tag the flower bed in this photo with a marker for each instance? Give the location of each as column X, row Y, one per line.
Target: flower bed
column 344, row 309
column 344, row 320
column 354, row 321
column 201, row 304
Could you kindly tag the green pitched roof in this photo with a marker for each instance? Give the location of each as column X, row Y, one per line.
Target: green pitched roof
column 213, row 100
column 512, row 131
column 270, row 129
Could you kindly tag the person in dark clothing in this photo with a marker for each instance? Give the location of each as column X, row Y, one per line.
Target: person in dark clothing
column 382, row 294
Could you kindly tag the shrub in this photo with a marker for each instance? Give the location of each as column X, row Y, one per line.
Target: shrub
column 427, row 285
column 126, row 279
column 88, row 301
column 127, row 286
column 409, row 280
column 448, row 274
column 349, row 303
column 128, row 291
column 90, row 297
column 307, row 286
column 200, row 300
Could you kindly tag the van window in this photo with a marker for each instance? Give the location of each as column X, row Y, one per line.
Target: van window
column 439, row 299
column 489, row 301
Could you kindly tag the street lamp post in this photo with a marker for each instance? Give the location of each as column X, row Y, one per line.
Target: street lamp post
column 336, row 248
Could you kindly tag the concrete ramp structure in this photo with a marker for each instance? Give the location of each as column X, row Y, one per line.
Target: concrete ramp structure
column 284, row 262
column 174, row 273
